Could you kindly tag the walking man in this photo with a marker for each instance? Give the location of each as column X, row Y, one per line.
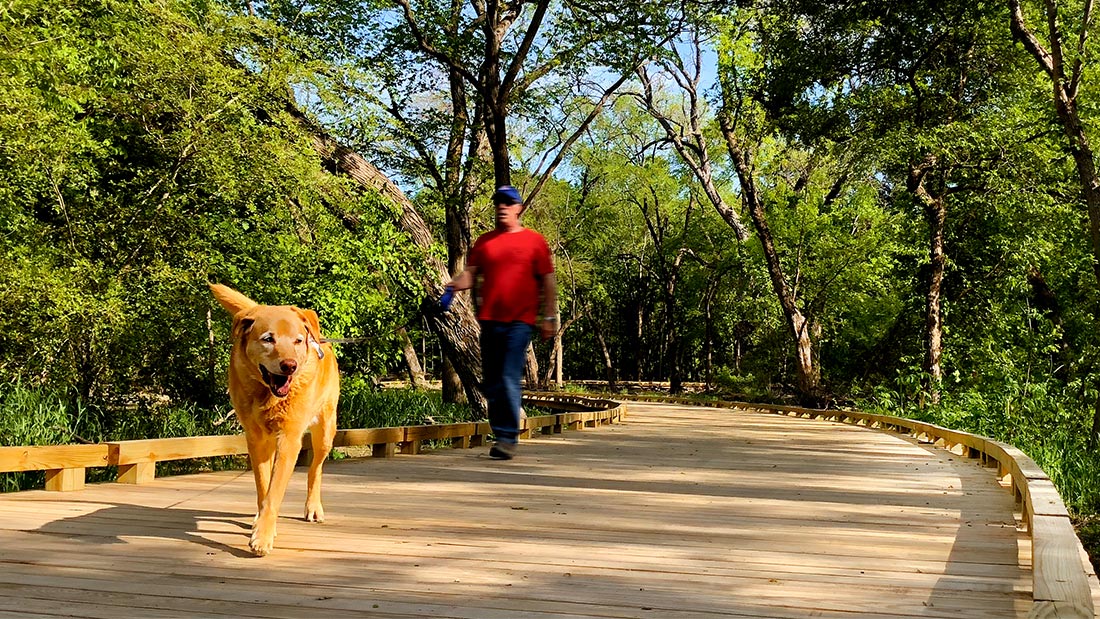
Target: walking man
column 514, row 277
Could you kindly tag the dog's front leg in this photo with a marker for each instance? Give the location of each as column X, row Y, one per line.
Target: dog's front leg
column 261, row 454
column 286, row 455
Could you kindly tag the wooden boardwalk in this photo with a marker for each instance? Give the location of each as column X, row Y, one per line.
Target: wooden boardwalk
column 679, row 512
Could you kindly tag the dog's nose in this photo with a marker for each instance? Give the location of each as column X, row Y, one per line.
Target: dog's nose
column 288, row 366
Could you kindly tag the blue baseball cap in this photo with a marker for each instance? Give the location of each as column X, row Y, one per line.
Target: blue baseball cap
column 507, row 194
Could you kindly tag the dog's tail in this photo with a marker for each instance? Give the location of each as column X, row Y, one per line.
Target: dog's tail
column 233, row 301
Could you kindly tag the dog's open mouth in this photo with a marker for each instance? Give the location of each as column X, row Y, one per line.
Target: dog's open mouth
column 278, row 383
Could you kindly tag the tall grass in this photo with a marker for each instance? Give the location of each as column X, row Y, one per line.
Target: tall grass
column 36, row 416
column 30, row 416
column 363, row 406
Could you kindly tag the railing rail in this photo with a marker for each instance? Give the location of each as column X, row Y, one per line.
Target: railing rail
column 66, row 465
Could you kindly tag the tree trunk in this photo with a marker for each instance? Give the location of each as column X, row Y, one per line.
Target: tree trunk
column 1064, row 88
column 559, row 358
column 808, row 373
column 708, row 337
column 608, row 365
column 675, row 374
column 553, row 369
column 934, row 311
column 457, row 211
column 451, row 383
column 416, row 373
column 457, row 328
column 206, row 396
column 935, row 212
column 639, row 357
column 531, row 368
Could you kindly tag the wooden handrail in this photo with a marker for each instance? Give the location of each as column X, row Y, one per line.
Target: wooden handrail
column 1063, row 579
column 65, row 465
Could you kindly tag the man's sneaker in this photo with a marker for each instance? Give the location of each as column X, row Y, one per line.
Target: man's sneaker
column 502, row 451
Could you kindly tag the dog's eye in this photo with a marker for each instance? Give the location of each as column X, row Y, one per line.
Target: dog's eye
column 268, row 338
column 299, row 340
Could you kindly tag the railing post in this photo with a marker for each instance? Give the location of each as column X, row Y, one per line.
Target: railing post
column 65, row 480
column 137, row 473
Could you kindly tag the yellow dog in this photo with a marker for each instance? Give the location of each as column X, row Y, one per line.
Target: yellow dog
column 282, row 381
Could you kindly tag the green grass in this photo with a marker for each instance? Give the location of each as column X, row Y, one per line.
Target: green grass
column 362, row 406
column 30, row 416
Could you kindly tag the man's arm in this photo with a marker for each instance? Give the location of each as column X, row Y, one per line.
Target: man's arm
column 465, row 280
column 549, row 322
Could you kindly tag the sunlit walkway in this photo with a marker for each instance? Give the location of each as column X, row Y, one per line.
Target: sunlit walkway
column 679, row 512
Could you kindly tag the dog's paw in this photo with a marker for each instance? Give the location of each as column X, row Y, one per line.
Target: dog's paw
column 262, row 542
column 315, row 513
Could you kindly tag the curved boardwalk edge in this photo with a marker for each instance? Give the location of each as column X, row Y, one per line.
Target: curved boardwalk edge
column 1065, row 583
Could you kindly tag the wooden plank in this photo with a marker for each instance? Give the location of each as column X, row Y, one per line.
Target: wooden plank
column 439, row 432
column 685, row 512
column 367, row 436
column 566, row 555
column 1059, row 575
column 1044, row 499
column 542, row 421
column 52, row 457
column 1057, row 610
column 161, row 449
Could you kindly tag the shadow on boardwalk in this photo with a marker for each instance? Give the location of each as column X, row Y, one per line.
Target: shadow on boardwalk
column 114, row 524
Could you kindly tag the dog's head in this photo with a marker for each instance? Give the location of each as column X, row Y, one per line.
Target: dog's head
column 277, row 342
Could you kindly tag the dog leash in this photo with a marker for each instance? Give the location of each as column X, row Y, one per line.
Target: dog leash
column 346, row 340
column 369, row 338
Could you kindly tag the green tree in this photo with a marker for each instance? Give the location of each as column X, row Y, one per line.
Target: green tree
column 139, row 161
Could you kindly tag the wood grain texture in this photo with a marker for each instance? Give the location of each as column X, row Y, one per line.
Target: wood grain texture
column 678, row 513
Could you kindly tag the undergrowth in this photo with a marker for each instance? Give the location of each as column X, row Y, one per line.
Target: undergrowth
column 32, row 416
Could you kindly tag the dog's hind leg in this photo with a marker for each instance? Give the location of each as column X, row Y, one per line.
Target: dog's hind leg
column 321, row 435
column 288, row 444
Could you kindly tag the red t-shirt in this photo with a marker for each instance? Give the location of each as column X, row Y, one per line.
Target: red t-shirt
column 511, row 265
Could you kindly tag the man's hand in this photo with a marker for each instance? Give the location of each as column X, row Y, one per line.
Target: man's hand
column 447, row 298
column 548, row 327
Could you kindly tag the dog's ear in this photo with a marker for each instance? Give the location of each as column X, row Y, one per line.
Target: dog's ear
column 233, row 301
column 241, row 328
column 313, row 328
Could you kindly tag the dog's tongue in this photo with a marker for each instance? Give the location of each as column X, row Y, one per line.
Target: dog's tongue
column 283, row 389
column 278, row 383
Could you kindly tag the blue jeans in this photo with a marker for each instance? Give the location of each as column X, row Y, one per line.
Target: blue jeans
column 503, row 356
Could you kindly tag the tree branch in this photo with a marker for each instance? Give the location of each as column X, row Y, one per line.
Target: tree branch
column 427, row 48
column 1024, row 35
column 524, row 46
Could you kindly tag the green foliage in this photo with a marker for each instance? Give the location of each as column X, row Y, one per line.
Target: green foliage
column 144, row 151
column 362, row 405
column 738, row 386
column 39, row 417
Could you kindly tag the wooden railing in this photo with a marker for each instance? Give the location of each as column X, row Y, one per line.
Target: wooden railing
column 1064, row 581
column 65, row 465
